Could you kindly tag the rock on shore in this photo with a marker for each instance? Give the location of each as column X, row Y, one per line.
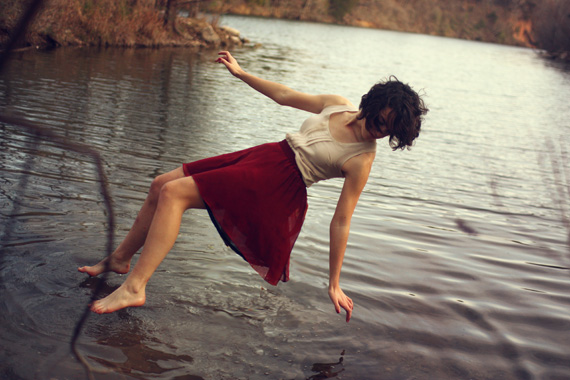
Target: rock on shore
column 205, row 34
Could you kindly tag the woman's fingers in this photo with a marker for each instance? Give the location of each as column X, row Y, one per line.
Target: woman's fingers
column 340, row 300
column 348, row 305
column 230, row 62
column 225, row 53
column 224, row 57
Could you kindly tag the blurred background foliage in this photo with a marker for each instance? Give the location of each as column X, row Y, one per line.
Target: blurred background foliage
column 543, row 24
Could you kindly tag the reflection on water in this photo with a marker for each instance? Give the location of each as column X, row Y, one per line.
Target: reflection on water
column 139, row 359
column 458, row 258
column 327, row 370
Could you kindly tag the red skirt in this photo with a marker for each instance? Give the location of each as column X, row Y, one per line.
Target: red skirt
column 257, row 200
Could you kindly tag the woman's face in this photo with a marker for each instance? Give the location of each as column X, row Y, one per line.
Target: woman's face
column 380, row 134
column 381, row 130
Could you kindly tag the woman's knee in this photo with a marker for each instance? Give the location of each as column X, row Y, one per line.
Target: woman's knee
column 156, row 187
column 183, row 191
column 161, row 180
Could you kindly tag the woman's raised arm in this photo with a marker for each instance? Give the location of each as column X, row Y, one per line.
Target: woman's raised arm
column 280, row 93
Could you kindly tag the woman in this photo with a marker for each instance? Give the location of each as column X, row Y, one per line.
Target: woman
column 257, row 197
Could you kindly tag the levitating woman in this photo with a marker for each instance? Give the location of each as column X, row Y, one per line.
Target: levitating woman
column 257, row 197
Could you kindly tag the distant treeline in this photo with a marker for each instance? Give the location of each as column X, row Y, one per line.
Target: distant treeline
column 551, row 27
column 539, row 23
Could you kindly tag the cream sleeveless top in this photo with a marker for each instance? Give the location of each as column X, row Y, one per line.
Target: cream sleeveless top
column 318, row 155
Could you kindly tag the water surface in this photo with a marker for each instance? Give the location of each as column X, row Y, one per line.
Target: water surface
column 458, row 259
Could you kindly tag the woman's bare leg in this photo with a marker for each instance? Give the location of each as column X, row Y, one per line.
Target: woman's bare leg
column 120, row 259
column 175, row 197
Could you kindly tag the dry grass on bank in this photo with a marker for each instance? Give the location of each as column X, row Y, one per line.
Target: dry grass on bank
column 105, row 22
column 483, row 20
column 544, row 24
column 126, row 23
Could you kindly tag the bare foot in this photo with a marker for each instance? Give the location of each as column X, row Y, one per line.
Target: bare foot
column 119, row 299
column 115, row 265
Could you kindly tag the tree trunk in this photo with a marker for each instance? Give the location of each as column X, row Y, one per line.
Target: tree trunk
column 170, row 15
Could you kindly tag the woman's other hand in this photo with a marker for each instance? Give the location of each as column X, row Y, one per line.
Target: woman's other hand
column 339, row 299
column 230, row 62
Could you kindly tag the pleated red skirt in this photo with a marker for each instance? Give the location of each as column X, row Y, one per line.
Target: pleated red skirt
column 257, row 200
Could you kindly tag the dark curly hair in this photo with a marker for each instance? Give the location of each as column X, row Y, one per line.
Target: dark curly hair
column 395, row 105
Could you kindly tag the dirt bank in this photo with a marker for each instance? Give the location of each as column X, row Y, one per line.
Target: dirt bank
column 122, row 23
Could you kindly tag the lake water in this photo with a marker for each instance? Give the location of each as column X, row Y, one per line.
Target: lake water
column 459, row 255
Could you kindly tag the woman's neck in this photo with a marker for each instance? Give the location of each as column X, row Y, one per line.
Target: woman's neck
column 358, row 127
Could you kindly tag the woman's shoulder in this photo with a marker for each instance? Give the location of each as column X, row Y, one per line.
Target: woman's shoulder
column 341, row 104
column 358, row 165
column 338, row 101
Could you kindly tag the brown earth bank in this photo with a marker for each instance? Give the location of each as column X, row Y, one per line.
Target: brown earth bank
column 543, row 24
column 482, row 20
column 121, row 23
column 152, row 23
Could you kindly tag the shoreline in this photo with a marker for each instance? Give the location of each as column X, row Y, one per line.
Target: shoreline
column 190, row 33
column 144, row 26
column 106, row 23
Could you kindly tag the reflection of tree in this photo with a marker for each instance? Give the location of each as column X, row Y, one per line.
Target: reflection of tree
column 560, row 194
column 125, row 101
column 163, row 89
column 140, row 359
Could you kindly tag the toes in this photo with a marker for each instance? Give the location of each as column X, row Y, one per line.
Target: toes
column 96, row 307
column 85, row 269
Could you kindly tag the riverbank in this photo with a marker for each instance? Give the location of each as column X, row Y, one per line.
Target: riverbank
column 487, row 21
column 146, row 23
column 114, row 23
column 519, row 23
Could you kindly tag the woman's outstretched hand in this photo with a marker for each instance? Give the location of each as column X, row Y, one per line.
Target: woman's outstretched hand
column 339, row 299
column 232, row 65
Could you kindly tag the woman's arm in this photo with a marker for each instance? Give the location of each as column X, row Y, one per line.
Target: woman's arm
column 281, row 94
column 356, row 171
